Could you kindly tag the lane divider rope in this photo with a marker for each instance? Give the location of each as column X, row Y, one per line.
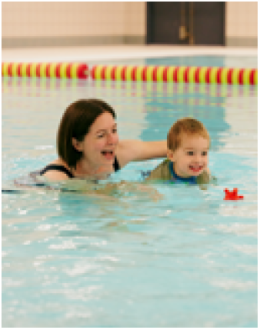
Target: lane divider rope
column 185, row 74
column 48, row 70
column 208, row 75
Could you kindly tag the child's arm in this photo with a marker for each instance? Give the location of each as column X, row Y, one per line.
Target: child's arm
column 206, row 177
column 161, row 172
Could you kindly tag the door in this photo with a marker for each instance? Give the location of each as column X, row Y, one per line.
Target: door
column 178, row 23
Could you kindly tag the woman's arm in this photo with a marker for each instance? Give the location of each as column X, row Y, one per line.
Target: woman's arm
column 137, row 150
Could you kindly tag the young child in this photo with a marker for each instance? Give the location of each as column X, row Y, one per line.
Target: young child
column 188, row 143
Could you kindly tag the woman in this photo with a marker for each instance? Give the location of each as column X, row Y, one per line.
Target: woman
column 88, row 144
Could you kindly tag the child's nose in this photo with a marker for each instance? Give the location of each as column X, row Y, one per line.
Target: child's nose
column 198, row 158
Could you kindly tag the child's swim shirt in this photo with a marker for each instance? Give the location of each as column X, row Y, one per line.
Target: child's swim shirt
column 164, row 171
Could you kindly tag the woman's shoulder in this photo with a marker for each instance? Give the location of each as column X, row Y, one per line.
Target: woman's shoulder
column 56, row 170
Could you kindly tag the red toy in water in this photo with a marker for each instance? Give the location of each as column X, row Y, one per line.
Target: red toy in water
column 232, row 195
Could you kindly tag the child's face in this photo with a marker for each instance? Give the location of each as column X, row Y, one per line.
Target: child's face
column 191, row 158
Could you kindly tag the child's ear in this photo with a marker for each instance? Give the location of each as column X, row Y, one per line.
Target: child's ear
column 77, row 144
column 170, row 155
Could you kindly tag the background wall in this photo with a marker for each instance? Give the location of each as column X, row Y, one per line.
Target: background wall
column 241, row 23
column 27, row 24
column 72, row 23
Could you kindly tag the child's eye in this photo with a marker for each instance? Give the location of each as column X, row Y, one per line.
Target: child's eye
column 115, row 130
column 204, row 153
column 190, row 153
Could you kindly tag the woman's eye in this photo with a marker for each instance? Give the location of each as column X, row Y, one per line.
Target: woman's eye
column 115, row 130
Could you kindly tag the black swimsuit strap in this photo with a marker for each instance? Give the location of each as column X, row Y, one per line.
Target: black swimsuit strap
column 116, row 165
column 60, row 168
column 63, row 169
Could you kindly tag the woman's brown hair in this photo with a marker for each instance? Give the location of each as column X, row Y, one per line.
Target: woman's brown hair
column 75, row 123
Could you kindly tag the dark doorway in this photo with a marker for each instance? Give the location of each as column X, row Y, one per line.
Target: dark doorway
column 178, row 23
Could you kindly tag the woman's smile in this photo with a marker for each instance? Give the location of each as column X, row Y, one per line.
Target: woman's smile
column 109, row 155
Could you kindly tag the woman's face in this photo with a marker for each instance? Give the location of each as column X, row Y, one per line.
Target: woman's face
column 99, row 145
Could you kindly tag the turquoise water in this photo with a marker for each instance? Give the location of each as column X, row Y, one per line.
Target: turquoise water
column 188, row 259
column 238, row 61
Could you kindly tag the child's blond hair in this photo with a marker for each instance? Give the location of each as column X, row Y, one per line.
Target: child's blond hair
column 189, row 126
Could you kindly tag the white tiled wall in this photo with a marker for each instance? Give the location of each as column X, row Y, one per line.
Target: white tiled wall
column 33, row 19
column 104, row 19
column 241, row 19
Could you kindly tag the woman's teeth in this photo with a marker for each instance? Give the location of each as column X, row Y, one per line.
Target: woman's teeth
column 108, row 154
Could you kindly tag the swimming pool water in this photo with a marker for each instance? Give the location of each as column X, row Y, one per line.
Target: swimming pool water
column 237, row 61
column 188, row 259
